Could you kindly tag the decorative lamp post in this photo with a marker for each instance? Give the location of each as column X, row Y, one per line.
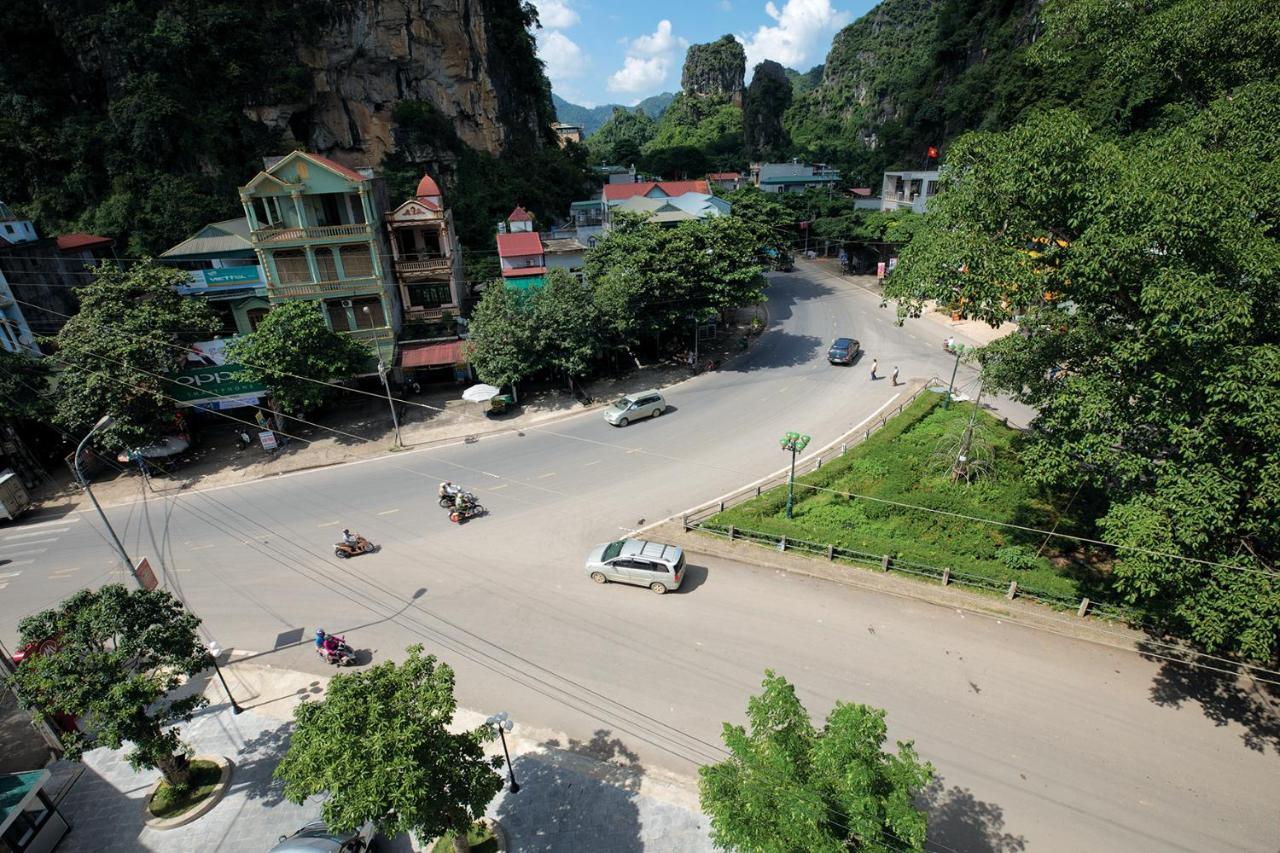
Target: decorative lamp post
column 503, row 724
column 794, row 442
column 214, row 651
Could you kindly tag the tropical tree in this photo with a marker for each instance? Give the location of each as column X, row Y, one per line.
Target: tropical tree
column 1150, row 340
column 789, row 786
column 297, row 356
column 565, row 324
column 119, row 349
column 112, row 657
column 380, row 746
column 619, row 140
column 771, row 222
column 503, row 345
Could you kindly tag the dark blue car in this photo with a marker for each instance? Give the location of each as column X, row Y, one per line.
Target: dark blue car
column 843, row 351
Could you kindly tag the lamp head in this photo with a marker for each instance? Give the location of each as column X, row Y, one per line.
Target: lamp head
column 104, row 421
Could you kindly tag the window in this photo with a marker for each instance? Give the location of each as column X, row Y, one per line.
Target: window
column 428, row 295
column 291, row 267
column 8, row 228
column 357, row 262
column 337, row 316
column 255, row 316
column 326, row 266
column 368, row 313
column 355, row 210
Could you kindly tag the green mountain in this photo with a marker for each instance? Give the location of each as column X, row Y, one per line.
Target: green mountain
column 591, row 119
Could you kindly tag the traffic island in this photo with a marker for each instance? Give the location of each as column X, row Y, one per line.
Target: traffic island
column 485, row 836
column 170, row 808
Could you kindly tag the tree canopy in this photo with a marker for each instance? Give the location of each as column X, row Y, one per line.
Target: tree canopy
column 788, row 786
column 619, row 140
column 112, row 657
column 502, row 348
column 119, row 349
column 294, row 354
column 379, row 745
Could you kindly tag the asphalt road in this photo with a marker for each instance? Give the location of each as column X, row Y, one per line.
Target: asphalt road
column 1041, row 741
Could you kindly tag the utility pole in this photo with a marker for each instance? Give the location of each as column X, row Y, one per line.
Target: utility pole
column 946, row 402
column 104, row 421
column 382, row 374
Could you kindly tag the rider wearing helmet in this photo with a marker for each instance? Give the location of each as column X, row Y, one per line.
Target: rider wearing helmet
column 349, row 538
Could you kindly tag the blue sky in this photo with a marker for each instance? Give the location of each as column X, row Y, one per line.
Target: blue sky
column 622, row 51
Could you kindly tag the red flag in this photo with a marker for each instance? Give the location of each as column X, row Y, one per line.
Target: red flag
column 933, row 152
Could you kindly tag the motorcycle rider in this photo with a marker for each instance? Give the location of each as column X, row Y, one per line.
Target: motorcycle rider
column 349, row 539
column 448, row 489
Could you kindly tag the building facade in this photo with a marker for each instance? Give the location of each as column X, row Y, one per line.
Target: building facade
column 316, row 227
column 426, row 256
column 793, row 177
column 908, row 190
column 223, row 268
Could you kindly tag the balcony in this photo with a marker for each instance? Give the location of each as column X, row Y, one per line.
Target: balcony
column 310, row 232
column 381, row 334
column 425, row 268
column 345, row 287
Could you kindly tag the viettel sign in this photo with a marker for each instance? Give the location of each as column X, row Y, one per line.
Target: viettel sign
column 200, row 384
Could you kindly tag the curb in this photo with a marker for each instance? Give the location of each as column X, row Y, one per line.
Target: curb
column 198, row 811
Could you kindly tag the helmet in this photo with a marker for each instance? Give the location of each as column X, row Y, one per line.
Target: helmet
column 345, row 530
column 320, row 635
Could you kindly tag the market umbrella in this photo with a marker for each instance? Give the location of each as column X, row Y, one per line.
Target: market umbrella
column 480, row 393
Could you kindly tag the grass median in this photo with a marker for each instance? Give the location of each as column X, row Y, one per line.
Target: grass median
column 903, row 492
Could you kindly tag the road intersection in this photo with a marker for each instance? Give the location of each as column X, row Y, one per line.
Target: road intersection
column 1040, row 739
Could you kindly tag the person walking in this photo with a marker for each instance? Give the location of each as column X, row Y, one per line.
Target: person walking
column 895, row 376
column 875, row 364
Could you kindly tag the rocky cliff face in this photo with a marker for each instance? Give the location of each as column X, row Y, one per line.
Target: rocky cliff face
column 472, row 59
column 716, row 68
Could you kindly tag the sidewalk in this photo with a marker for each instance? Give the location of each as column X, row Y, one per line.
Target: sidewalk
column 360, row 430
column 573, row 796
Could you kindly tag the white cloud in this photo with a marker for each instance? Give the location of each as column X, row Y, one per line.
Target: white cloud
column 556, row 14
column 563, row 58
column 801, row 30
column 726, row 6
column 648, row 61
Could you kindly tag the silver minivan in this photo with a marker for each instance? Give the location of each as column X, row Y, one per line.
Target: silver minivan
column 633, row 407
column 653, row 564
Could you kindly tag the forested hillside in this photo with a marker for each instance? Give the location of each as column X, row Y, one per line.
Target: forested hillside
column 591, row 119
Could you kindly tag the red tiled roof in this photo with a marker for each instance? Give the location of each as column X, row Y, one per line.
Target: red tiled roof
column 725, row 176
column 69, row 242
column 619, row 192
column 427, row 186
column 519, row 215
column 440, row 354
column 521, row 272
column 523, row 243
column 337, row 167
column 865, row 192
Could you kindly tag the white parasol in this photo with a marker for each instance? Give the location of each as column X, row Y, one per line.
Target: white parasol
column 480, row 393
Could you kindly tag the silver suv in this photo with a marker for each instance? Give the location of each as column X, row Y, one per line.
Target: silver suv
column 652, row 564
column 633, row 407
column 315, row 837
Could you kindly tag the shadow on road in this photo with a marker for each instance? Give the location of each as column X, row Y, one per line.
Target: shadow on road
column 780, row 349
column 694, row 577
column 1224, row 698
column 576, row 796
column 960, row 821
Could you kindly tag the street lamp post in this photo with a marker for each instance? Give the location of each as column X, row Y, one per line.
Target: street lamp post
column 794, row 442
column 946, row 402
column 382, row 374
column 503, row 724
column 104, row 421
column 214, row 651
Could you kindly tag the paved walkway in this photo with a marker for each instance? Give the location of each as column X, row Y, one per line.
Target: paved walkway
column 573, row 796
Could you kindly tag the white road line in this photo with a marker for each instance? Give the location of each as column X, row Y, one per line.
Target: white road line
column 589, row 464
column 546, row 475
column 326, row 524
column 19, row 562
column 36, row 533
column 636, row 450
column 29, row 544
column 67, row 520
column 10, row 574
column 388, row 511
column 494, row 476
column 203, row 547
column 30, row 553
column 502, row 486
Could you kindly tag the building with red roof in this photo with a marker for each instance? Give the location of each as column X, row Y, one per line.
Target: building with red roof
column 426, row 256
column 524, row 264
column 652, row 189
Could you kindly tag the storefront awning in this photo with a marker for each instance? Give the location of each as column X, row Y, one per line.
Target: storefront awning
column 437, row 354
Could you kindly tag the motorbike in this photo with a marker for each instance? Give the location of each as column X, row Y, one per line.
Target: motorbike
column 449, row 495
column 465, row 512
column 335, row 650
column 362, row 546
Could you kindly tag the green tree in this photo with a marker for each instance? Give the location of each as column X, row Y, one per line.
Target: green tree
column 503, row 345
column 1150, row 340
column 771, row 223
column 294, row 354
column 566, row 325
column 119, row 349
column 710, row 123
column 24, row 386
column 379, row 745
column 788, row 786
column 619, row 140
column 113, row 658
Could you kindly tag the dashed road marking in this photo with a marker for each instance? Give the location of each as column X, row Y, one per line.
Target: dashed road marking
column 636, row 450
column 326, row 524
column 203, row 547
column 10, row 574
column 48, row 524
column 63, row 573
column 589, row 464
column 494, row 476
column 36, row 533
column 388, row 511
column 546, row 475
column 500, row 486
column 29, row 544
column 22, row 554
column 18, row 563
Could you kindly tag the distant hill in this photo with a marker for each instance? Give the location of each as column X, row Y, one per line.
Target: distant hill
column 591, row 118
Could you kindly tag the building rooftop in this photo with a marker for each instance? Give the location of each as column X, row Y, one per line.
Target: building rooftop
column 71, row 242
column 520, row 244
column 725, row 176
column 519, row 215
column 620, row 192
column 562, row 246
column 229, row 235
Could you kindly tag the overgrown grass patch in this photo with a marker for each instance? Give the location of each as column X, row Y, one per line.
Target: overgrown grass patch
column 864, row 501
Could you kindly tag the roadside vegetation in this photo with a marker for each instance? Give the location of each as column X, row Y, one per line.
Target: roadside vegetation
column 910, row 462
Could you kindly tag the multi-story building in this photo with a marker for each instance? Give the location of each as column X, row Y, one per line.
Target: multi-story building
column 223, row 267
column 426, row 256
column 566, row 133
column 316, row 227
column 793, row 177
column 524, row 264
column 908, row 190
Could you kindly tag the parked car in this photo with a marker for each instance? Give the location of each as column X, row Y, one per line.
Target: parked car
column 13, row 495
column 633, row 407
column 843, row 351
column 315, row 837
column 653, row 564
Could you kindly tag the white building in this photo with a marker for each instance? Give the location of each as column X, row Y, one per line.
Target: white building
column 15, row 334
column 908, row 190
